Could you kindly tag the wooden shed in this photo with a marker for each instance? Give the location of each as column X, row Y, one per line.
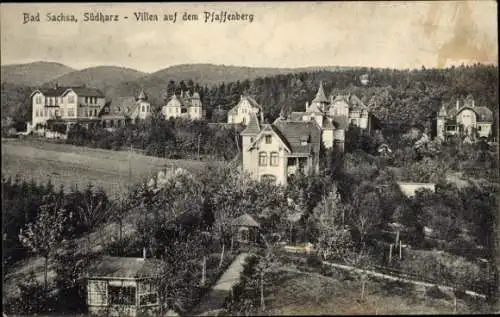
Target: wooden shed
column 123, row 286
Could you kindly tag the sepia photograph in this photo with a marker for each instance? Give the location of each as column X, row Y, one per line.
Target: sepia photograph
column 250, row 158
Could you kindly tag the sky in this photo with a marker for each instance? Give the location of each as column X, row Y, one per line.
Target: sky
column 284, row 34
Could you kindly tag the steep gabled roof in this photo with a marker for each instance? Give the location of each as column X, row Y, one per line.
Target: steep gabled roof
column 122, row 106
column 142, row 95
column 250, row 100
column 320, row 95
column 245, row 220
column 253, row 127
column 295, row 132
column 86, row 92
column 483, row 114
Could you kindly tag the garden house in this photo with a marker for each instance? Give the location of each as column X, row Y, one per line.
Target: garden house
column 245, row 229
column 123, row 286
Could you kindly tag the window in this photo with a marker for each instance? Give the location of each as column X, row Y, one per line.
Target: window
column 36, row 113
column 274, row 159
column 354, row 122
column 97, row 293
column 86, row 113
column 38, row 99
column 121, row 295
column 57, row 112
column 71, row 113
column 147, row 294
column 268, row 139
column 71, row 99
column 147, row 108
column 44, row 112
column 251, row 140
column 479, row 128
column 262, row 158
column 95, row 112
column 50, row 101
column 62, row 113
column 143, row 108
column 86, row 99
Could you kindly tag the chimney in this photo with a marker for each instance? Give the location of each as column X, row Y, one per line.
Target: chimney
column 307, row 105
column 473, row 103
column 144, row 253
column 458, row 104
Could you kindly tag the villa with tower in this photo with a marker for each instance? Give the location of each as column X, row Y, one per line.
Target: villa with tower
column 125, row 110
column 463, row 118
column 184, row 106
column 335, row 116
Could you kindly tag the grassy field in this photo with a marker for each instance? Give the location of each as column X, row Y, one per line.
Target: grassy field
column 72, row 165
column 292, row 292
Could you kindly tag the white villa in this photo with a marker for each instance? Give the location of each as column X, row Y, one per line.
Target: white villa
column 184, row 106
column 240, row 114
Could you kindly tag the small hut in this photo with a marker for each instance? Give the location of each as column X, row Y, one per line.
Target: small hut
column 245, row 229
column 123, row 286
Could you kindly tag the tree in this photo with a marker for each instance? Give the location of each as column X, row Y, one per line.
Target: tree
column 45, row 234
column 267, row 263
column 360, row 261
column 93, row 210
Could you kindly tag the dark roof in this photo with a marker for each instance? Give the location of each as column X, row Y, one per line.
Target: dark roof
column 294, row 132
column 123, row 267
column 122, row 106
column 88, row 92
column 245, row 220
column 253, row 126
column 80, row 91
column 484, row 114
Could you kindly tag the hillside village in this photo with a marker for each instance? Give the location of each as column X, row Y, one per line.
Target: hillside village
column 320, row 194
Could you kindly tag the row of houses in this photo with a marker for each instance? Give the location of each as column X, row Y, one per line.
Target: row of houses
column 88, row 106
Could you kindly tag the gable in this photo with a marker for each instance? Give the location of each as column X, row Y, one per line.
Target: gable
column 268, row 130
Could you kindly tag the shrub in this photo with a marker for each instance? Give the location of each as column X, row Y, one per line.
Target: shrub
column 314, row 260
column 435, row 292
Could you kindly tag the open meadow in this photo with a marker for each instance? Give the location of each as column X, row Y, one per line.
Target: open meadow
column 71, row 165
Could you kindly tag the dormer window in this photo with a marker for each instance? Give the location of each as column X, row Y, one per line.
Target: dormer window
column 268, row 139
column 304, row 140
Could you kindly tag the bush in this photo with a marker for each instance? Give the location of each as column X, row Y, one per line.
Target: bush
column 435, row 292
column 314, row 260
column 32, row 300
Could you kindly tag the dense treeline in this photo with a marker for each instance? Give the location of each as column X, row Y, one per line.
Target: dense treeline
column 174, row 138
column 405, row 97
column 22, row 202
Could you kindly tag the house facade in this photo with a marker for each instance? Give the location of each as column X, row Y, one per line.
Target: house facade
column 184, row 106
column 335, row 116
column 121, row 286
column 240, row 114
column 274, row 152
column 66, row 104
column 465, row 119
column 124, row 110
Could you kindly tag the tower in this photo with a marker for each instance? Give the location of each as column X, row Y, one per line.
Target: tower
column 195, row 111
column 440, row 122
column 320, row 101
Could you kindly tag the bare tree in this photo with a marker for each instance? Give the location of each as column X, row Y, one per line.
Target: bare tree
column 360, row 261
column 93, row 210
column 267, row 263
column 46, row 233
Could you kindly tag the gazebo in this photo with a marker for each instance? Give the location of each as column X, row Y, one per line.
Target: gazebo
column 245, row 229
